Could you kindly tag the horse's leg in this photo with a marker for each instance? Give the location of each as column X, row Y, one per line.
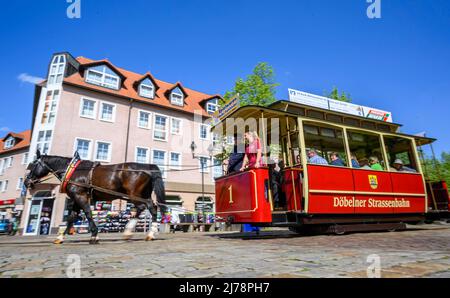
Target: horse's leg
column 70, row 219
column 154, row 228
column 131, row 225
column 92, row 227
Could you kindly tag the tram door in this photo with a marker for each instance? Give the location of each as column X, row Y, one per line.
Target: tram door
column 292, row 174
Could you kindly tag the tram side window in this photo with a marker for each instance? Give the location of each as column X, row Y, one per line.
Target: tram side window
column 400, row 154
column 325, row 145
column 366, row 150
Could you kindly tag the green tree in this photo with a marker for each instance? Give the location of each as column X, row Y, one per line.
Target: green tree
column 334, row 94
column 257, row 89
column 439, row 169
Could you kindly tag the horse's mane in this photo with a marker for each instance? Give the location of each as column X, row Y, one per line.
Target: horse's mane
column 56, row 162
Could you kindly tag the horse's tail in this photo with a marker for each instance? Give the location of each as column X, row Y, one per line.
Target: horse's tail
column 160, row 193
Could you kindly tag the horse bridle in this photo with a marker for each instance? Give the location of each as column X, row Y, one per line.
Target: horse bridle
column 43, row 164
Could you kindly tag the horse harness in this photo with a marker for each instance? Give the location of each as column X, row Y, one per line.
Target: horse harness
column 73, row 166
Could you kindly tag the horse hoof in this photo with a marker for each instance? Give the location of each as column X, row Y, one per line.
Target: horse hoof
column 150, row 238
column 58, row 241
column 93, row 241
column 127, row 237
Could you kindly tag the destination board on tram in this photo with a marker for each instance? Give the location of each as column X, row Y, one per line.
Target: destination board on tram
column 338, row 106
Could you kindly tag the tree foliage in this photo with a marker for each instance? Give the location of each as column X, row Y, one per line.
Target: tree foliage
column 257, row 89
column 334, row 94
column 439, row 169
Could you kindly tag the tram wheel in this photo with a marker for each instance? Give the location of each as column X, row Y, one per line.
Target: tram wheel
column 339, row 230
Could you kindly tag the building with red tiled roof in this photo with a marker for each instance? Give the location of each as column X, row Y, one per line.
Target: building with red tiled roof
column 112, row 115
column 13, row 162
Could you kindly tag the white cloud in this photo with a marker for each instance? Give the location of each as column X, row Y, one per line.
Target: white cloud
column 26, row 78
column 4, row 129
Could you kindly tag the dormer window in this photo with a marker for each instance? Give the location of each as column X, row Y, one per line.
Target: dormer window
column 9, row 143
column 212, row 106
column 57, row 70
column 103, row 76
column 177, row 97
column 147, row 89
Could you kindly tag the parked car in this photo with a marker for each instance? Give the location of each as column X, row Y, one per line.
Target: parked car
column 4, row 223
column 8, row 227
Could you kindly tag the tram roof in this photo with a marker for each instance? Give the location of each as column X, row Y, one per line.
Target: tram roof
column 288, row 108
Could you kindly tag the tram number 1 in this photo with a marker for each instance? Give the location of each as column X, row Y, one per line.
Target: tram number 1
column 230, row 190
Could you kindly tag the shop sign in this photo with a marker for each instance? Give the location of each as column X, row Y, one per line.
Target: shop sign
column 7, row 202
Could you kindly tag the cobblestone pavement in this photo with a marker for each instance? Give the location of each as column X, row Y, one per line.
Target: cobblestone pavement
column 421, row 251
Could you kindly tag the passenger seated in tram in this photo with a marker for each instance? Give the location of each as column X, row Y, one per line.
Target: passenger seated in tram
column 364, row 164
column 236, row 156
column 375, row 163
column 355, row 163
column 399, row 167
column 253, row 151
column 335, row 160
column 314, row 158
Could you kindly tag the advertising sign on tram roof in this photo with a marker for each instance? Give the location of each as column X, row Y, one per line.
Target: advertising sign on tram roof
column 338, row 106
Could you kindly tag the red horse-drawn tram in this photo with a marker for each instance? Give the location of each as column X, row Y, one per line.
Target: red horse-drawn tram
column 375, row 184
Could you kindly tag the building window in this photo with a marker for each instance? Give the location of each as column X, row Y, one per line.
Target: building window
column 4, row 185
column 107, row 112
column 177, row 97
column 103, row 151
column 43, row 141
column 159, row 159
column 51, row 101
column 216, row 139
column 103, row 76
column 204, row 132
column 160, row 128
column 175, row 160
column 147, row 89
column 84, row 148
column 203, row 164
column 2, row 166
column 25, row 158
column 19, row 183
column 144, row 119
column 57, row 70
column 175, row 127
column 9, row 162
column 9, row 143
column 88, row 108
column 212, row 106
column 141, row 155
column 217, row 169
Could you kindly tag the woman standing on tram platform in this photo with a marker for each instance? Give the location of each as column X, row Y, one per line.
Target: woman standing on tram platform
column 253, row 151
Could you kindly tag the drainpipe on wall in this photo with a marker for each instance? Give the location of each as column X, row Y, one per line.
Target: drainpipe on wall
column 128, row 129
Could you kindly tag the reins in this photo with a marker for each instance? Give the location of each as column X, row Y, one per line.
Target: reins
column 111, row 192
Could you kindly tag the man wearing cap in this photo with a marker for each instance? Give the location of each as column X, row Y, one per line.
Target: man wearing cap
column 313, row 158
column 398, row 165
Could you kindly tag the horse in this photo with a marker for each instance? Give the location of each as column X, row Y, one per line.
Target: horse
column 92, row 182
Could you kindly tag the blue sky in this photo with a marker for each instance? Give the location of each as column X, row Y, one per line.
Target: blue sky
column 399, row 63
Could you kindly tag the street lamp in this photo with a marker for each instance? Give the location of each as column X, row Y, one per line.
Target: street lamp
column 202, row 164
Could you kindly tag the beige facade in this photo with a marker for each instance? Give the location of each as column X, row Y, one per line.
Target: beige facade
column 12, row 169
column 122, row 132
